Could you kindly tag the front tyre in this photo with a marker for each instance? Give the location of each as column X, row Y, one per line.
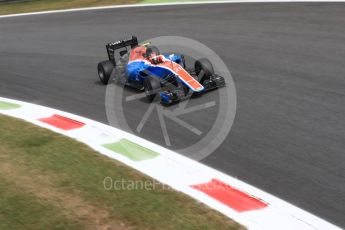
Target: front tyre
column 203, row 69
column 104, row 69
column 152, row 87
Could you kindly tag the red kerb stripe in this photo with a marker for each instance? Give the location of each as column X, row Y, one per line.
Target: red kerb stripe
column 62, row 122
column 230, row 196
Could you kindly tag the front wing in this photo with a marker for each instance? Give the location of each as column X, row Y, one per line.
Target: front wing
column 177, row 95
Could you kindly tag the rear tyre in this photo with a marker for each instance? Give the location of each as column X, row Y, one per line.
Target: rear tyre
column 183, row 61
column 152, row 87
column 104, row 69
column 203, row 69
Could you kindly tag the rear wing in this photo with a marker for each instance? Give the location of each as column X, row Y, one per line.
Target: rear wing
column 112, row 46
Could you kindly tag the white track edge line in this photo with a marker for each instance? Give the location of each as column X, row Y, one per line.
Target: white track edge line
column 165, row 4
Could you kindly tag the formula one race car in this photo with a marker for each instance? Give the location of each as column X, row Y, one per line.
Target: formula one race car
column 158, row 74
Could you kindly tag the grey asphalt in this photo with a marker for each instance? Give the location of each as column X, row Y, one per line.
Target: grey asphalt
column 288, row 65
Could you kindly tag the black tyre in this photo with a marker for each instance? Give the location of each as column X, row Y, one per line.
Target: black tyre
column 183, row 61
column 105, row 68
column 203, row 69
column 152, row 49
column 152, row 86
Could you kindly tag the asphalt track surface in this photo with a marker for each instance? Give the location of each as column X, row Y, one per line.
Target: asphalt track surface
column 287, row 61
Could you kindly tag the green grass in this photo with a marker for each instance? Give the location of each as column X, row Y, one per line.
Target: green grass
column 43, row 5
column 19, row 210
column 49, row 181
